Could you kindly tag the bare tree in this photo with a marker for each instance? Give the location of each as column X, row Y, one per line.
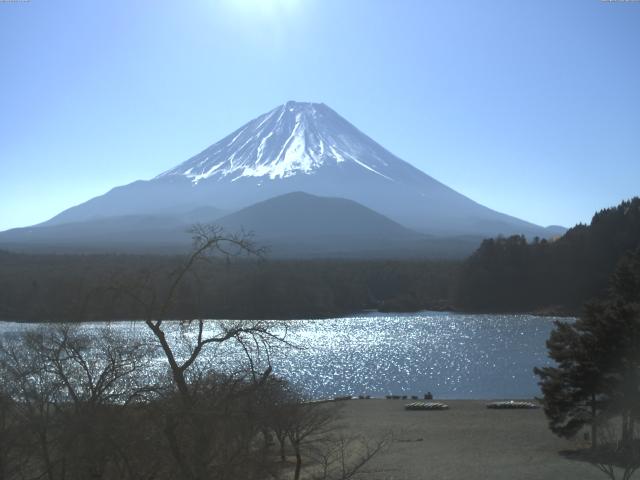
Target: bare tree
column 195, row 430
column 613, row 456
column 67, row 388
column 345, row 456
column 90, row 406
column 12, row 454
column 316, row 437
column 209, row 241
column 309, row 423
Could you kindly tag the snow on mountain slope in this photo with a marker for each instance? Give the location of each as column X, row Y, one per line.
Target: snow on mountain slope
column 303, row 147
column 293, row 139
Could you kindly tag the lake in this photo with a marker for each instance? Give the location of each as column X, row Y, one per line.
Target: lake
column 452, row 355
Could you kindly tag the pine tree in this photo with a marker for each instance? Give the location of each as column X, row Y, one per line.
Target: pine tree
column 573, row 391
column 597, row 361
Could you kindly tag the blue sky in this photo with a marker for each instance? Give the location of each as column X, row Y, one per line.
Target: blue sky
column 529, row 107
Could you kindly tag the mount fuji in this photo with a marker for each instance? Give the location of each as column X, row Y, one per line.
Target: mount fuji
column 296, row 147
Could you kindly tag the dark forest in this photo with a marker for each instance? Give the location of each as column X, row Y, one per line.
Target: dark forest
column 503, row 275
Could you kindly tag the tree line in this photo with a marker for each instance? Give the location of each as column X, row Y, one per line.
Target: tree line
column 81, row 287
column 595, row 381
column 504, row 275
column 78, row 406
column 558, row 276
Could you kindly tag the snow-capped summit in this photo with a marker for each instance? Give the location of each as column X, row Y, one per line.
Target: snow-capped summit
column 302, row 147
column 296, row 138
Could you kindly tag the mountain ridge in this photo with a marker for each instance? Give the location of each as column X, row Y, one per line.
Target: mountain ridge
column 296, row 147
column 304, row 147
column 293, row 225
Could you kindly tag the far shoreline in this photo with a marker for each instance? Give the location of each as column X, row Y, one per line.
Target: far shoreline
column 336, row 316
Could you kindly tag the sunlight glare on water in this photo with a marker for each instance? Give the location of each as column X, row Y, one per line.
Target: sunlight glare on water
column 450, row 354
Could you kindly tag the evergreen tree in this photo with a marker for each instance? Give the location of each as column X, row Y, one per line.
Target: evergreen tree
column 598, row 361
column 513, row 275
column 574, row 390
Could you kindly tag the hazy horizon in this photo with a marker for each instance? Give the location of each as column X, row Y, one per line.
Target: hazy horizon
column 530, row 109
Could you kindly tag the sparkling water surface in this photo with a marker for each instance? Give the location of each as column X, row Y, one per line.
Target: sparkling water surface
column 451, row 355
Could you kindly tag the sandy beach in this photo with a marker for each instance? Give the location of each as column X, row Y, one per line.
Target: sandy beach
column 468, row 441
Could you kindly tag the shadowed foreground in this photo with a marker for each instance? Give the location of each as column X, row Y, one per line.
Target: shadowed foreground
column 468, row 441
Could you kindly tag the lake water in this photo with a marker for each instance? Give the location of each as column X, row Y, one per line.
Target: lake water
column 451, row 355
